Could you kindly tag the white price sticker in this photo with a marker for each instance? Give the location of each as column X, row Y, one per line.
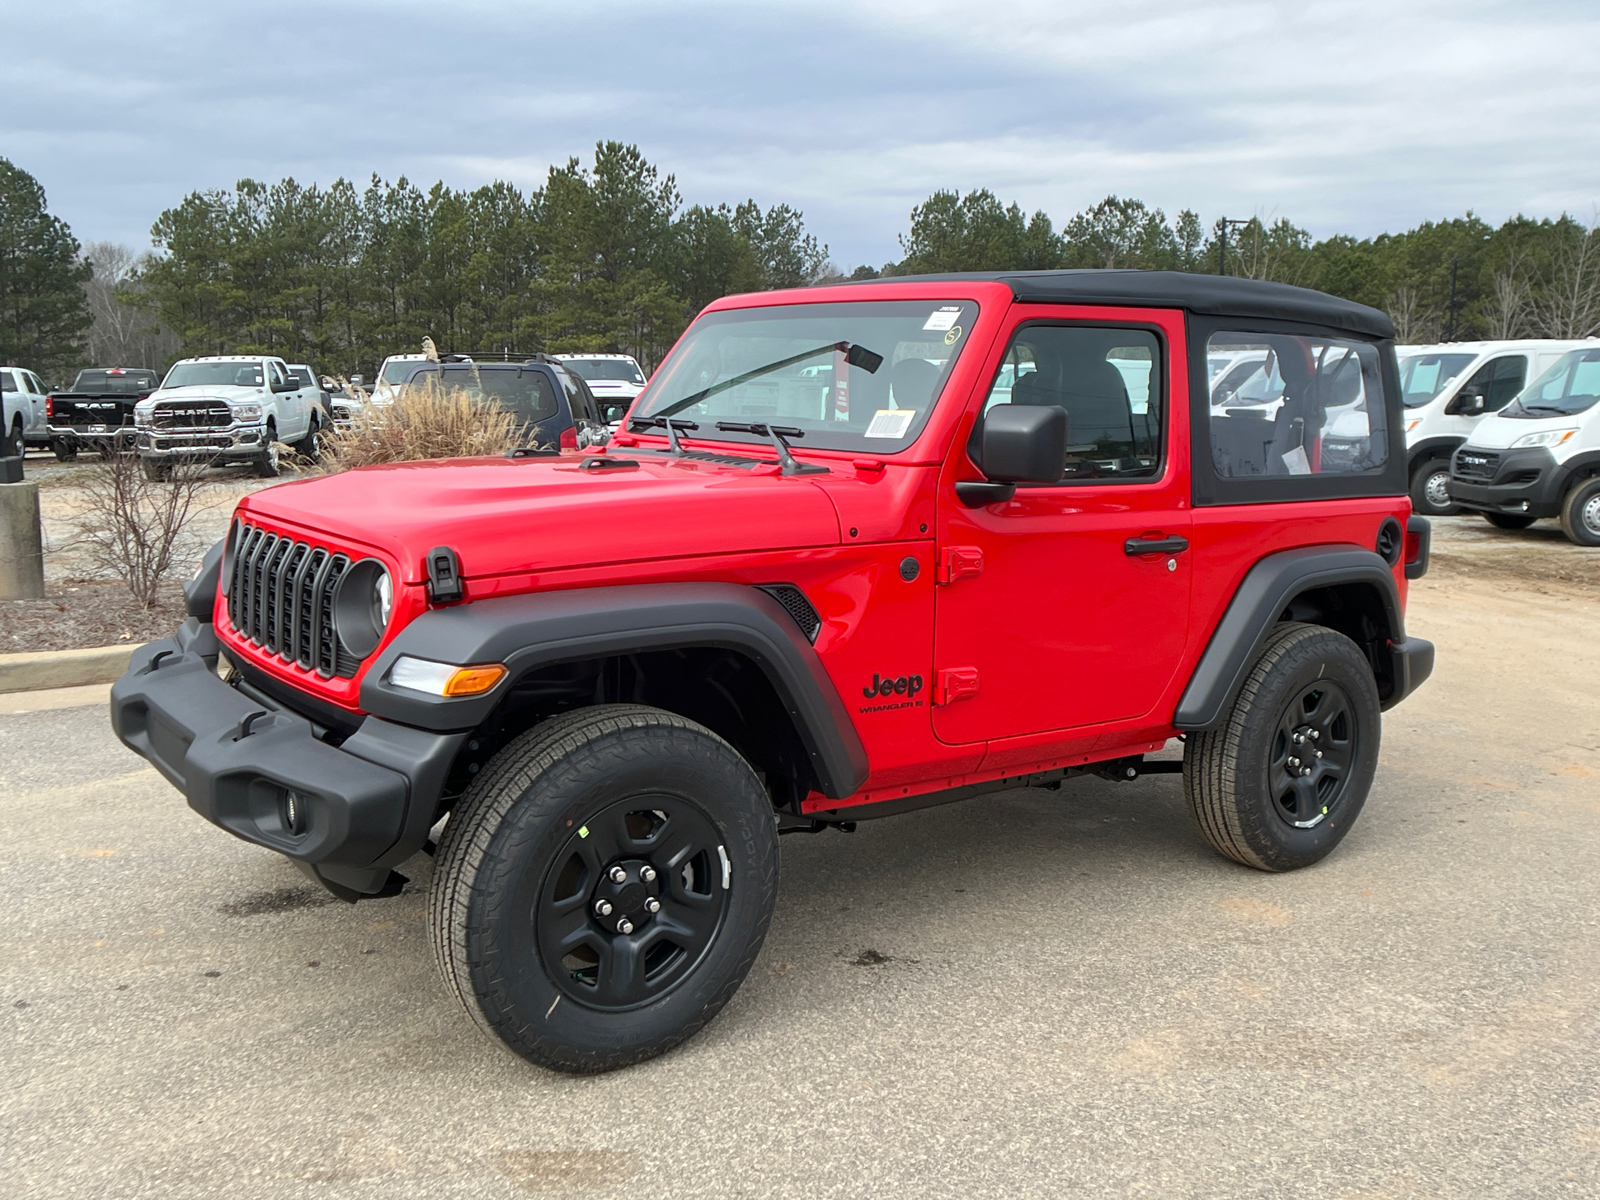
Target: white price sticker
column 890, row 423
column 943, row 319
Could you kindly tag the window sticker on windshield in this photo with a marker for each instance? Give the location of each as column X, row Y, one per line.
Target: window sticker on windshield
column 943, row 319
column 950, row 338
column 890, row 423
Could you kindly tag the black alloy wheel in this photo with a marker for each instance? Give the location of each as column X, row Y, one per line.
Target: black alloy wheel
column 603, row 887
column 632, row 902
column 1279, row 781
column 1313, row 754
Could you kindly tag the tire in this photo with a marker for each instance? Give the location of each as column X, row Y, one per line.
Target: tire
column 16, row 443
column 310, row 446
column 157, row 470
column 1430, row 494
column 1239, row 779
column 64, row 452
column 527, row 854
column 1580, row 513
column 265, row 464
column 1508, row 520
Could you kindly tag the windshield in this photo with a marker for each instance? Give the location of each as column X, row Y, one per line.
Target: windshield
column 1424, row 376
column 1571, row 386
column 806, row 365
column 619, row 370
column 396, row 370
column 215, row 374
column 113, row 382
column 1250, row 378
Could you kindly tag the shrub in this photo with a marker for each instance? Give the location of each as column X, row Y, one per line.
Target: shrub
column 136, row 527
column 425, row 421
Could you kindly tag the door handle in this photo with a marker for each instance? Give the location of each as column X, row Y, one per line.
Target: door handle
column 1166, row 545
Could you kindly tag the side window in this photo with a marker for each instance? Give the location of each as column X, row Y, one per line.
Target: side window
column 1108, row 381
column 34, row 385
column 1303, row 405
column 274, row 375
column 7, row 383
column 579, row 398
column 1510, row 373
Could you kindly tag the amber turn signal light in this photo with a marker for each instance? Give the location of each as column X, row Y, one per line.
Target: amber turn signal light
column 445, row 679
column 474, row 681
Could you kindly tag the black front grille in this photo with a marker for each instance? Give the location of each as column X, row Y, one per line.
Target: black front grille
column 280, row 596
column 1476, row 464
column 192, row 414
column 794, row 600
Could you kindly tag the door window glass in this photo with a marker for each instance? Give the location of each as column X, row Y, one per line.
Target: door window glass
column 7, row 383
column 34, row 385
column 1497, row 381
column 579, row 398
column 1302, row 409
column 1109, row 383
column 522, row 391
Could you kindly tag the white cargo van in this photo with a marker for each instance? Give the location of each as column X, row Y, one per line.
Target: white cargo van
column 1539, row 456
column 1448, row 390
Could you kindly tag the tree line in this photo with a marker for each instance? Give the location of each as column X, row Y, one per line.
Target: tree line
column 606, row 257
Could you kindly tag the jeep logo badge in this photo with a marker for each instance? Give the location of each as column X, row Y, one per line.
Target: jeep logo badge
column 882, row 685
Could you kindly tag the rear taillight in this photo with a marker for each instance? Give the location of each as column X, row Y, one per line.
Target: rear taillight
column 1413, row 547
column 49, row 406
column 569, row 438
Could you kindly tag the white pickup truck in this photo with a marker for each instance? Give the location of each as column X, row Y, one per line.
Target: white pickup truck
column 232, row 408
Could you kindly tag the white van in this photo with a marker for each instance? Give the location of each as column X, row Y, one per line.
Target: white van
column 1539, row 456
column 1448, row 390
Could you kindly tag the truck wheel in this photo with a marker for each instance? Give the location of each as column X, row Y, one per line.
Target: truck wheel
column 157, row 470
column 1279, row 783
column 64, row 451
column 16, row 444
column 266, row 463
column 604, row 886
column 1430, row 489
column 1580, row 513
column 310, row 446
column 1509, row 520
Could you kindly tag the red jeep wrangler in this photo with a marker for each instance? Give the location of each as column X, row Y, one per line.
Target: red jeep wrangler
column 861, row 549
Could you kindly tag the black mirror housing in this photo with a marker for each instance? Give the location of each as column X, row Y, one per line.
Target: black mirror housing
column 1024, row 443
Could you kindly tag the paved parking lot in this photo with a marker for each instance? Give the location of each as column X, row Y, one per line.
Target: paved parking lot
column 1026, row 995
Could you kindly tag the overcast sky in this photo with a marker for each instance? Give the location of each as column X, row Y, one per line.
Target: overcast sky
column 1345, row 117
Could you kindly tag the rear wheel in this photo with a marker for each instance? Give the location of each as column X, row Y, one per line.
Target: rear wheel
column 157, row 470
column 1580, row 513
column 1279, row 783
column 1430, row 489
column 604, row 886
column 16, row 444
column 266, row 464
column 310, row 446
column 64, row 451
column 1508, row 520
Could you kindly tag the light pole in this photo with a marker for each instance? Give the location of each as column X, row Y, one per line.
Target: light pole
column 1222, row 246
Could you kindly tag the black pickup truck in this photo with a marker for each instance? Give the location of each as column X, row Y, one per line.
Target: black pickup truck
column 98, row 409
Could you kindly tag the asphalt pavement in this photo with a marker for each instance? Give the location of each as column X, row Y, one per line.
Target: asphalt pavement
column 1033, row 994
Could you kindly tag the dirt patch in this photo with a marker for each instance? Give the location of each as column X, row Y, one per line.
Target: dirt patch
column 1539, row 558
column 78, row 613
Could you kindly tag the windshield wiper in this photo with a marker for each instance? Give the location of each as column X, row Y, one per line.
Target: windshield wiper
column 790, row 464
column 856, row 356
column 671, row 426
column 1560, row 412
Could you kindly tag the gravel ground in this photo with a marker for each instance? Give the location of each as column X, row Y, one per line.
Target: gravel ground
column 1026, row 995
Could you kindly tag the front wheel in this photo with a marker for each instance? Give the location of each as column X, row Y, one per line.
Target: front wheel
column 65, row 451
column 1430, row 489
column 266, row 463
column 1279, row 783
column 156, row 470
column 604, row 886
column 1508, row 520
column 1580, row 513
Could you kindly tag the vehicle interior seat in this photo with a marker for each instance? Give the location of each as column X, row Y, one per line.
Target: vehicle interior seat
column 911, row 383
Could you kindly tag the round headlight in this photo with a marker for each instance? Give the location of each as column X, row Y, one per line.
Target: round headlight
column 383, row 597
column 361, row 607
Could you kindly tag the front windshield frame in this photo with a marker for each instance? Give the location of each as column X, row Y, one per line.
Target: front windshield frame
column 1529, row 402
column 823, row 326
column 1408, row 366
column 180, row 374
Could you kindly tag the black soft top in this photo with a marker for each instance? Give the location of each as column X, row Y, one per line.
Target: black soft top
column 1212, row 295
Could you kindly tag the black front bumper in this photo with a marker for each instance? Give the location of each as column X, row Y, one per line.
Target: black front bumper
column 1521, row 482
column 359, row 807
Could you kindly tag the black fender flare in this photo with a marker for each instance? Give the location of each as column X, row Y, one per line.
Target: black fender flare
column 1259, row 603
column 1430, row 448
column 543, row 628
column 1585, row 464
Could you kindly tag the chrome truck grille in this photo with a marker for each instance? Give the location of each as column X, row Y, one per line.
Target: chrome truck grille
column 191, row 414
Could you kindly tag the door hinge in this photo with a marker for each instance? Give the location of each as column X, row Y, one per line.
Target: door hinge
column 960, row 562
column 955, row 683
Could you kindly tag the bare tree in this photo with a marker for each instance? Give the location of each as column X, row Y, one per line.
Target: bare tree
column 1507, row 309
column 123, row 334
column 1568, row 303
column 1411, row 326
column 136, row 527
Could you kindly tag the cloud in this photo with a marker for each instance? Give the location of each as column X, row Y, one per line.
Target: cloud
column 1347, row 117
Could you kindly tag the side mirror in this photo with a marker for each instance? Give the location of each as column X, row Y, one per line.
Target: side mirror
column 358, row 380
column 1467, row 404
column 1022, row 443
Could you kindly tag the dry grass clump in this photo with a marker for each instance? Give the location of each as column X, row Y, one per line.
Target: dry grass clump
column 425, row 421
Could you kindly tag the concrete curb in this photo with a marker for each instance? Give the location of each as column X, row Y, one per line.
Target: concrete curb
column 64, row 668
